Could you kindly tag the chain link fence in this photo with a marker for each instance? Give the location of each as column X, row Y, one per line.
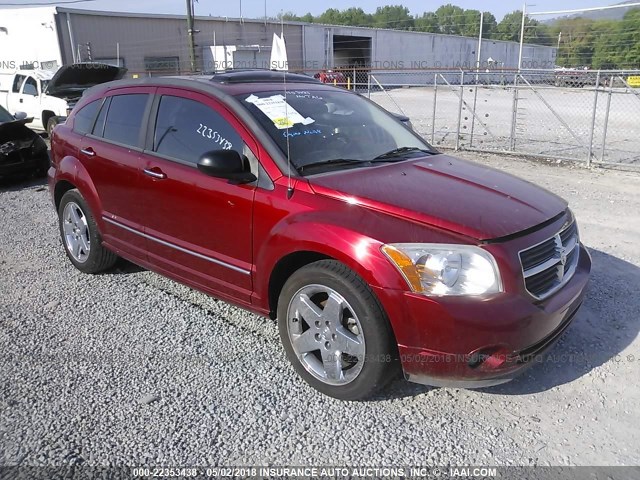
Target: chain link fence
column 580, row 115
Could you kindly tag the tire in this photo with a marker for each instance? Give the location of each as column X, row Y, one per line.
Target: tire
column 348, row 353
column 51, row 123
column 80, row 236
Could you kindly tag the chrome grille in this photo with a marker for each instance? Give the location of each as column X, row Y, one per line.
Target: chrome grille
column 548, row 265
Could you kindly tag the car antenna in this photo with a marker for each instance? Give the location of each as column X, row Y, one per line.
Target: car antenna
column 286, row 119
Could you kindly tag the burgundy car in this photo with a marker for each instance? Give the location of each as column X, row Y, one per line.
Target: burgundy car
column 313, row 205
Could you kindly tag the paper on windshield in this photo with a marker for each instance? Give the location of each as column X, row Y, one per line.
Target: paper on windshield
column 279, row 111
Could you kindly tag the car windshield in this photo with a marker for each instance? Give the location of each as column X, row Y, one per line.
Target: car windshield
column 5, row 116
column 332, row 128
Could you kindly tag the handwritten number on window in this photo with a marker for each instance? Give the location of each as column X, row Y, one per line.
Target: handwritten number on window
column 211, row 134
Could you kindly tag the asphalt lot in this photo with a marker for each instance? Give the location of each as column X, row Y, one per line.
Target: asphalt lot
column 130, row 368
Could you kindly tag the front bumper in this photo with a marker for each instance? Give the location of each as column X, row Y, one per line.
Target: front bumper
column 25, row 165
column 472, row 343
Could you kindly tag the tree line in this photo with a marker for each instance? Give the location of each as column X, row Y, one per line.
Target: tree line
column 580, row 41
column 599, row 44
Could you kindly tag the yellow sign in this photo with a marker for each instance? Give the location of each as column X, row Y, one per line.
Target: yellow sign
column 634, row 81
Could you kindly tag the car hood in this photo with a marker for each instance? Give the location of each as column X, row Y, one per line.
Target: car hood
column 16, row 135
column 14, row 129
column 446, row 192
column 80, row 76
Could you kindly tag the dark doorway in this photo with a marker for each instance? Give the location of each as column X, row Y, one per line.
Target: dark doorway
column 352, row 56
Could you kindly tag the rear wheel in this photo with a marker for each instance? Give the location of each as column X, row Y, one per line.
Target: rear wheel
column 335, row 332
column 80, row 236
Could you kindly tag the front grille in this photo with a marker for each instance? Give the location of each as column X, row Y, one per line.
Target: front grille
column 550, row 264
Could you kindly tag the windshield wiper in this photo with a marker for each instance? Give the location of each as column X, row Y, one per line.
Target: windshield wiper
column 400, row 151
column 332, row 162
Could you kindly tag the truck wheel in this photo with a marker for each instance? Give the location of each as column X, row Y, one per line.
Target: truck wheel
column 80, row 237
column 335, row 332
column 51, row 123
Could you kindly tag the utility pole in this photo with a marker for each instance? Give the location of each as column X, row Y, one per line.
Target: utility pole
column 524, row 16
column 190, row 31
column 478, row 64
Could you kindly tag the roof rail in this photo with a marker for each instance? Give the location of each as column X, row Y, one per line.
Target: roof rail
column 260, row 75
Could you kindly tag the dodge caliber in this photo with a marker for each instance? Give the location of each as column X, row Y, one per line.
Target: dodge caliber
column 314, row 206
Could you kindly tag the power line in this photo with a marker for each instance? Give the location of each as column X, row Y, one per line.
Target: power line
column 36, row 4
column 581, row 10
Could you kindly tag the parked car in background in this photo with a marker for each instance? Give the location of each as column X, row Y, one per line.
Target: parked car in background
column 22, row 151
column 332, row 77
column 313, row 205
column 48, row 97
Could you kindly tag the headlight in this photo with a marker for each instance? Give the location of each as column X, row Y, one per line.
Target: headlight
column 437, row 269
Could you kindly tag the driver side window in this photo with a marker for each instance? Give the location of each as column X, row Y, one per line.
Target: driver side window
column 30, row 87
column 185, row 129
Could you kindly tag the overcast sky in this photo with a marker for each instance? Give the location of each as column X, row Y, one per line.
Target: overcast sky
column 256, row 8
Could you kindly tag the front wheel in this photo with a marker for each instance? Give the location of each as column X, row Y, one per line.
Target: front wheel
column 80, row 236
column 335, row 332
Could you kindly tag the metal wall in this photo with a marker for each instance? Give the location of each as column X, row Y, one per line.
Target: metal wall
column 143, row 36
column 84, row 35
column 403, row 50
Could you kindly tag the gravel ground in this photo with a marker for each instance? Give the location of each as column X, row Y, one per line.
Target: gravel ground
column 130, row 368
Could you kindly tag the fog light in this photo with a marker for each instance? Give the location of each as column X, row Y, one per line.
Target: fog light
column 488, row 358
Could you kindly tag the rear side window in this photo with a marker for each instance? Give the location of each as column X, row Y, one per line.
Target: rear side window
column 124, row 119
column 83, row 122
column 185, row 129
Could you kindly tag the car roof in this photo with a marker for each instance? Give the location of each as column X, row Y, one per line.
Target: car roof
column 226, row 87
column 233, row 83
column 36, row 73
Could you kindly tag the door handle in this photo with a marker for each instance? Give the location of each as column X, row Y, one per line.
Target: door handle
column 159, row 174
column 20, row 100
column 88, row 152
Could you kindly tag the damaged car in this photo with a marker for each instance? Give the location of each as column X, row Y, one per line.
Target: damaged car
column 22, row 151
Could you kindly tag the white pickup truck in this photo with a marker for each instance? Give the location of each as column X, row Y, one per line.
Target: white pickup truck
column 49, row 97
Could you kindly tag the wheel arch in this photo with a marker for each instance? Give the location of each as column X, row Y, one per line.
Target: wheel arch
column 72, row 174
column 62, row 187
column 284, row 268
column 46, row 115
column 293, row 247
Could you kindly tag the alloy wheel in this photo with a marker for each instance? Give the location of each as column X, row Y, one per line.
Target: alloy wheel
column 326, row 334
column 76, row 232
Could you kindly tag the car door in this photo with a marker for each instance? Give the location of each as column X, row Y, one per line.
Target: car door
column 13, row 97
column 111, row 151
column 29, row 101
column 198, row 227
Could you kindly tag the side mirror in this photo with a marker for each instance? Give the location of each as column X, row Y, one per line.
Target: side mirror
column 20, row 115
column 227, row 164
column 406, row 121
